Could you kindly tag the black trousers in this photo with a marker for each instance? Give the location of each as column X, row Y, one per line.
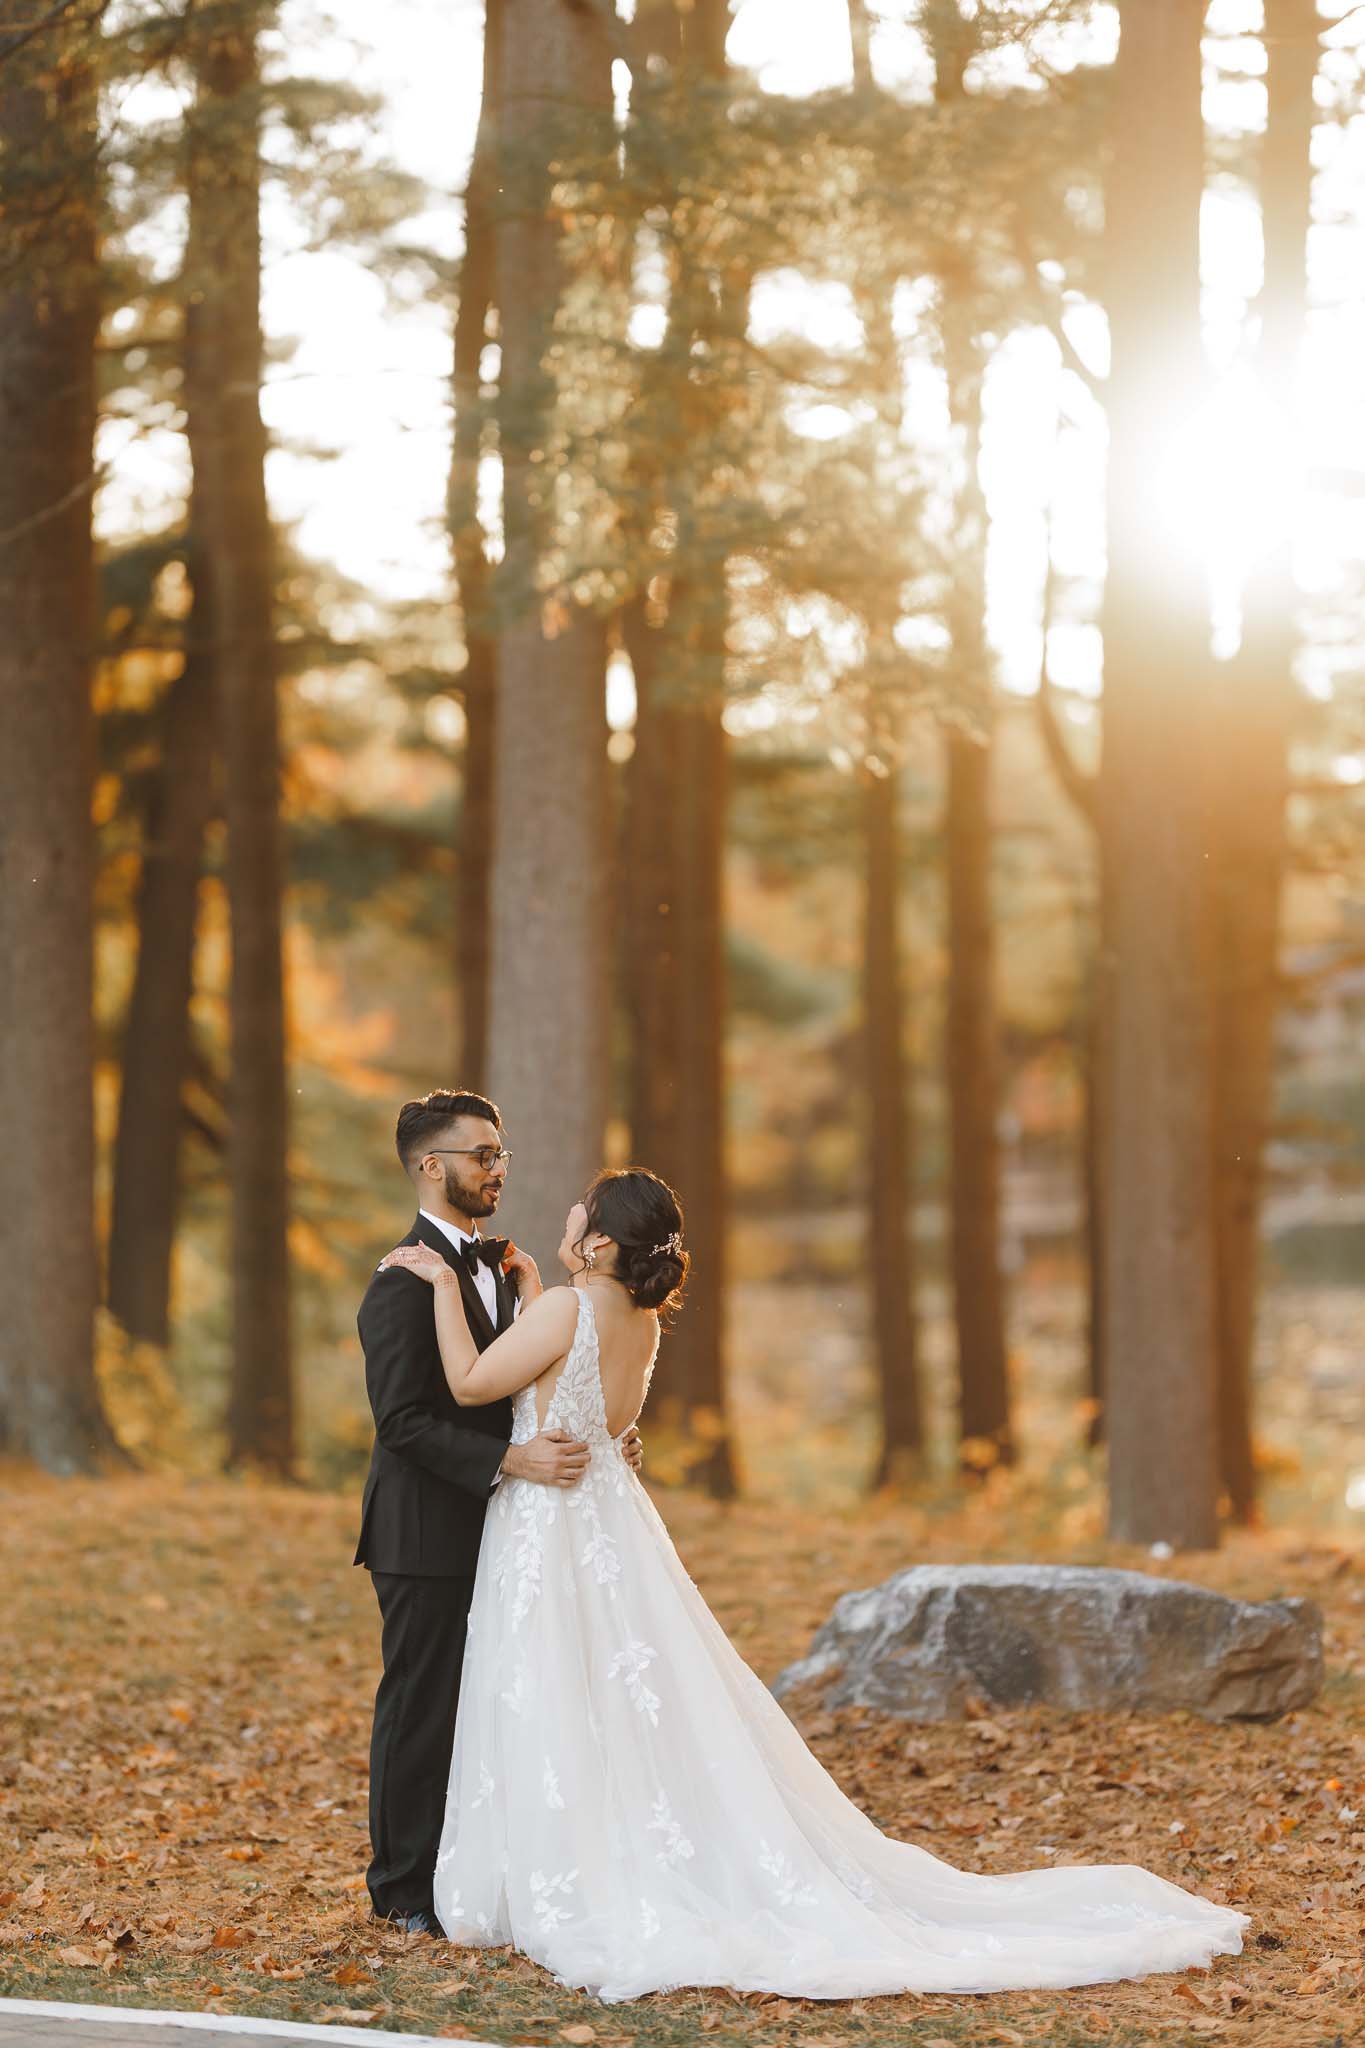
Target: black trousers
column 414, row 1734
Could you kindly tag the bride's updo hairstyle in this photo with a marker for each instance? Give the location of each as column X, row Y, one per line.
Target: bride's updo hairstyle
column 643, row 1217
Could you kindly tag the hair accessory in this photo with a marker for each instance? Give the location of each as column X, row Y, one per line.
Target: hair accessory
column 672, row 1243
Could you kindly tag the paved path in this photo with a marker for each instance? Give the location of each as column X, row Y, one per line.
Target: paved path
column 40, row 2023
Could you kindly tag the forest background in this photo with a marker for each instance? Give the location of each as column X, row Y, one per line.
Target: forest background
column 710, row 718
column 780, row 588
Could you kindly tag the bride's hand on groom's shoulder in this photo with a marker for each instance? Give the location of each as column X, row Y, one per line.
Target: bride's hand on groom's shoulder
column 421, row 1260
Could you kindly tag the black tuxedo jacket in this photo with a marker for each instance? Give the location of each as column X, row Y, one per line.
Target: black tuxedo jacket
column 434, row 1462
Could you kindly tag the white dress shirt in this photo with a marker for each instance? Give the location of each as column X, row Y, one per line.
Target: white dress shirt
column 483, row 1275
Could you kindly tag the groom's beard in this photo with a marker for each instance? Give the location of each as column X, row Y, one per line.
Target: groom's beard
column 473, row 1202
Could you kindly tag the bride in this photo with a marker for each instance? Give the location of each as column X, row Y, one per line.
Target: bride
column 628, row 1805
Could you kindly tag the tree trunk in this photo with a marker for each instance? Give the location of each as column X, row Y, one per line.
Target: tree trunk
column 239, row 548
column 653, row 796
column 677, row 805
column 1156, row 1013
column 550, row 1010
column 677, row 824
column 49, row 314
column 1092, row 1182
column 890, row 1159
column 156, row 1043
column 1254, row 780
column 1080, row 787
column 972, row 1069
column 478, row 683
column 697, row 1348
column 888, row 1097
column 156, row 1039
column 972, row 1051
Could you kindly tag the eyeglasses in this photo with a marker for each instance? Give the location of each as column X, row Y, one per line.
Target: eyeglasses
column 488, row 1156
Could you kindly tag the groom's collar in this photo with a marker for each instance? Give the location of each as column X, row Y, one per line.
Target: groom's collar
column 450, row 1230
column 443, row 1238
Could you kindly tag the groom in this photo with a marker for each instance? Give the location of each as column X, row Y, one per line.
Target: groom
column 433, row 1470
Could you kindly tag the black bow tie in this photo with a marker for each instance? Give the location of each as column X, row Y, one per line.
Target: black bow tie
column 487, row 1251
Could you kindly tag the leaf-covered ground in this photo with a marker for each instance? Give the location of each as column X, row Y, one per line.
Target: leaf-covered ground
column 184, row 1711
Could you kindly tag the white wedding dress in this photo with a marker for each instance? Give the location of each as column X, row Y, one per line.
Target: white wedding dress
column 631, row 1808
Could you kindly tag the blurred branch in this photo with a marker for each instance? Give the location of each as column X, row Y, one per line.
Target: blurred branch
column 84, row 489
column 1309, row 978
column 1071, row 356
column 1076, row 784
column 14, row 43
column 1340, row 22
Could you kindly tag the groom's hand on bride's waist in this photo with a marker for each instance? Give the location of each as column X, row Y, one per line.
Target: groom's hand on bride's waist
column 550, row 1459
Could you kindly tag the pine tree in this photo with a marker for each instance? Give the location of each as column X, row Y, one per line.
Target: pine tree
column 1157, row 1094
column 238, row 546
column 50, row 1408
column 1250, row 819
column 478, row 679
column 550, row 982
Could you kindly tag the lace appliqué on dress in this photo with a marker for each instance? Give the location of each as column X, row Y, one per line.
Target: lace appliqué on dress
column 631, row 1664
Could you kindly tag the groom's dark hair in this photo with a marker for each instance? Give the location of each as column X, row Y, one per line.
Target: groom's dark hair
column 428, row 1116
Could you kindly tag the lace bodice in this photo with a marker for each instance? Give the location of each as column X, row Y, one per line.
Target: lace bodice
column 578, row 1405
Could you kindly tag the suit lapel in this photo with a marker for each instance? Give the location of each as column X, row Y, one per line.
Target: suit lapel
column 476, row 1315
column 505, row 1304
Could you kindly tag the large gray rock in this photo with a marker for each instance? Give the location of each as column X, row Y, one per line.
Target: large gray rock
column 927, row 1641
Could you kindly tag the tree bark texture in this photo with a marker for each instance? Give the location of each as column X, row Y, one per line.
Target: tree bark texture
column 50, row 1409
column 239, row 549
column 1156, row 1008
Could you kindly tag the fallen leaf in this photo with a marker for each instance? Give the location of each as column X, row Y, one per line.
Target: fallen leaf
column 35, row 1894
column 244, row 1852
column 353, row 1973
column 580, row 2032
column 81, row 1958
column 230, row 1937
column 349, row 2015
column 193, row 1944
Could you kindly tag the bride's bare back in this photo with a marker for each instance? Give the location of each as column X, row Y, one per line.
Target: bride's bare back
column 627, row 1339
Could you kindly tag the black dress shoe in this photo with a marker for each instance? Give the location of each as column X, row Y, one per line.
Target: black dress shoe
column 415, row 1923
